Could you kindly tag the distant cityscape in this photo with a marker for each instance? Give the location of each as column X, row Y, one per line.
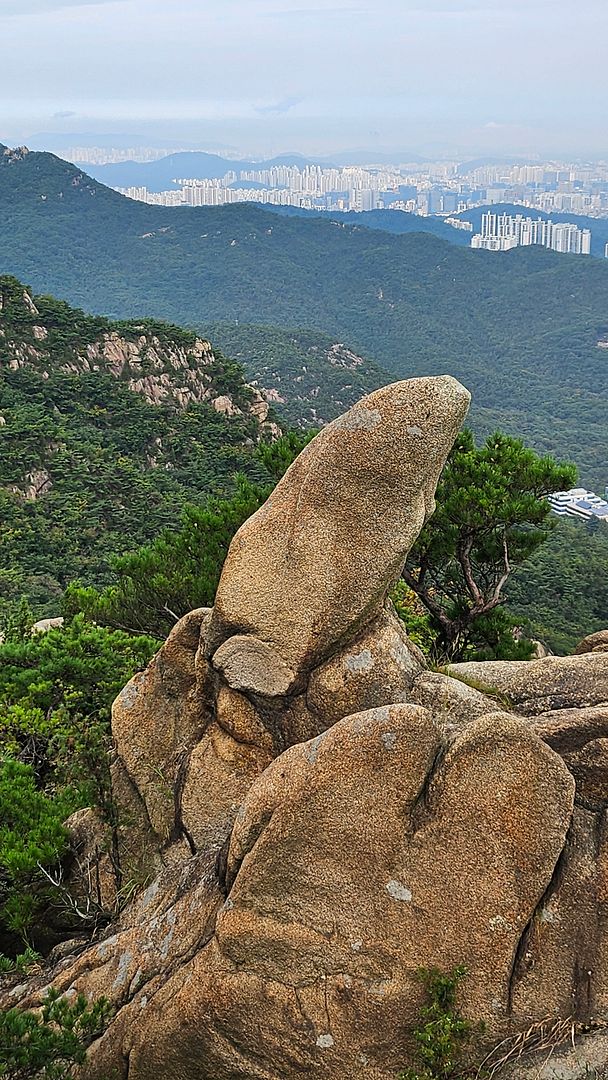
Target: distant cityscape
column 441, row 188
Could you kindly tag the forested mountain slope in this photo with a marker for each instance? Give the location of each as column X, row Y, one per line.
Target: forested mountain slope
column 309, row 377
column 400, row 222
column 563, row 589
column 521, row 330
column 106, row 431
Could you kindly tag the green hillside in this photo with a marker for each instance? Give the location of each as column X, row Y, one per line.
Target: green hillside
column 521, row 330
column 561, row 593
column 106, row 431
column 309, row 377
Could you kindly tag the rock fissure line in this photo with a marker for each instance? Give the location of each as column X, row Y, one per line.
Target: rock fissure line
column 557, row 876
column 179, row 828
column 421, row 811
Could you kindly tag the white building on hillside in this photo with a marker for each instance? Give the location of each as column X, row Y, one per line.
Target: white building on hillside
column 578, row 503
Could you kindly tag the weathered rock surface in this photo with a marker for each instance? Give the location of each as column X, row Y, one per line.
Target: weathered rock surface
column 597, row 642
column 314, row 563
column 380, row 665
column 587, row 1060
column 159, row 716
column 250, row 664
column 316, row 815
column 356, row 858
column 455, row 705
column 537, row 686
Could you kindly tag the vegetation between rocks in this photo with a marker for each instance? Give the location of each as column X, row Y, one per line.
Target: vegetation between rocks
column 443, row 1036
column 46, row 1045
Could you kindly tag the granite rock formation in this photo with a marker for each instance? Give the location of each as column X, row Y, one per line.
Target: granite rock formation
column 313, row 815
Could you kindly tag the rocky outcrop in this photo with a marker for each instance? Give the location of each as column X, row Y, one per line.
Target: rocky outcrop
column 537, row 686
column 317, row 559
column 299, row 636
column 165, row 364
column 316, row 815
column 597, row 642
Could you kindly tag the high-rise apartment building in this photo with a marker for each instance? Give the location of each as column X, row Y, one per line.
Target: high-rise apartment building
column 501, row 232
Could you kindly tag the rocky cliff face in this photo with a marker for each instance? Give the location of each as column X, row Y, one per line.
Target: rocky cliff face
column 160, row 362
column 317, row 815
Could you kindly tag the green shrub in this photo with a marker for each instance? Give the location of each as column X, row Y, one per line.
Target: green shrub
column 443, row 1035
column 415, row 617
column 56, row 691
column 45, row 1046
column 24, row 962
column 32, row 836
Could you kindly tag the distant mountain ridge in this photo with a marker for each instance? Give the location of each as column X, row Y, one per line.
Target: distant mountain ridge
column 522, row 330
column 397, row 222
column 191, row 165
column 160, row 175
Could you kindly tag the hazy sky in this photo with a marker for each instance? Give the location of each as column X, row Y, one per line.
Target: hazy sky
column 265, row 76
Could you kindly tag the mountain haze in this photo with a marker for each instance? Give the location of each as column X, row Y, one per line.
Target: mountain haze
column 190, row 165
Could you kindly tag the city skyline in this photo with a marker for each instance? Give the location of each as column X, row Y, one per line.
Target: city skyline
column 451, row 77
column 441, row 189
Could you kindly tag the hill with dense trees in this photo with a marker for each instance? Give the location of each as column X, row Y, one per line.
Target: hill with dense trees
column 309, row 377
column 109, row 430
column 401, row 222
column 106, row 430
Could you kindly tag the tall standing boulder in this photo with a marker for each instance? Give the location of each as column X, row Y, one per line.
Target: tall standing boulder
column 314, row 564
column 300, row 635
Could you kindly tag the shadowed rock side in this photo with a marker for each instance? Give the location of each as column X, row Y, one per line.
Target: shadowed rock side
column 316, row 815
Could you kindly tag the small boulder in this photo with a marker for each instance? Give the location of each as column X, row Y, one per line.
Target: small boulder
column 250, row 664
column 592, row 643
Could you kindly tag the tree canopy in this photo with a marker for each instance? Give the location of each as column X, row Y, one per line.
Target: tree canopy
column 491, row 515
